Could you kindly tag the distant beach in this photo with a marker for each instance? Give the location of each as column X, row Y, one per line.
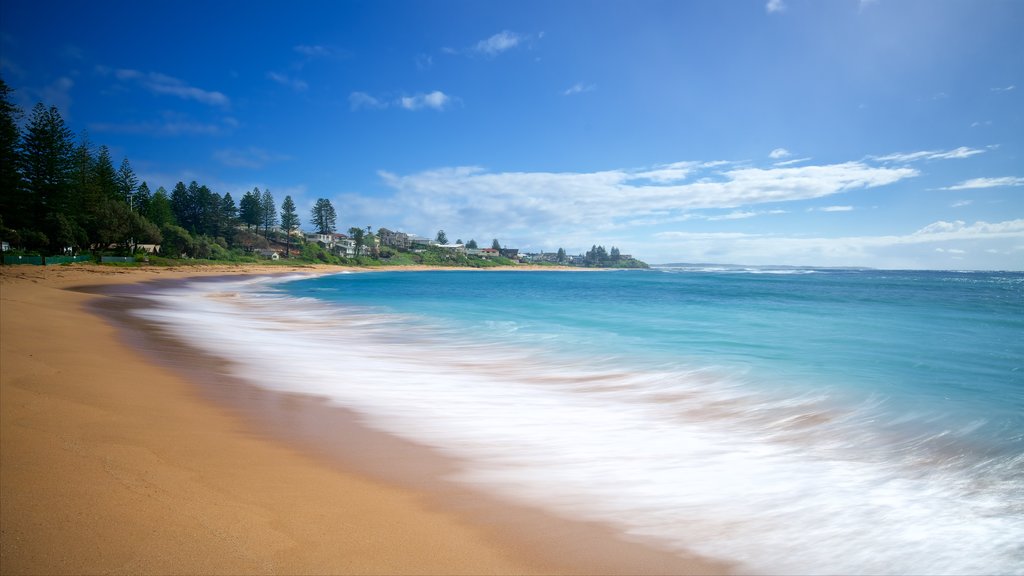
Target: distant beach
column 115, row 463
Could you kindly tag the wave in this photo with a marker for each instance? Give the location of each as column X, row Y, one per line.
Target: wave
column 692, row 458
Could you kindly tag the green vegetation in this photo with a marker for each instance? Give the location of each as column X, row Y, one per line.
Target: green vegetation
column 62, row 197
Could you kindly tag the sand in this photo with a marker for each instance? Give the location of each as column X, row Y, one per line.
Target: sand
column 111, row 463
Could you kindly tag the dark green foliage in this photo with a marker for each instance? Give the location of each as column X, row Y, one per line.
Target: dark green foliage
column 268, row 213
column 127, row 183
column 323, row 217
column 561, row 256
column 471, row 245
column 177, row 242
column 289, row 223
column 12, row 193
column 359, row 239
column 249, row 209
column 159, row 211
column 442, row 238
column 46, row 163
column 495, row 244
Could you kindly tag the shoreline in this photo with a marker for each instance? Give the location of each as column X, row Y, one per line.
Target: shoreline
column 344, row 512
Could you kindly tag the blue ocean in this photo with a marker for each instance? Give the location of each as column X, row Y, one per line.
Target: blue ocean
column 788, row 420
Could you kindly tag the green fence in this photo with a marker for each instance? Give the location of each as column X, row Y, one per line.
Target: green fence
column 108, row 259
column 52, row 260
column 36, row 260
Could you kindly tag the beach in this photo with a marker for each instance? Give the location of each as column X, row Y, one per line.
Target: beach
column 113, row 463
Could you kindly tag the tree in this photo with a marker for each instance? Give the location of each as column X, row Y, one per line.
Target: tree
column 143, row 197
column 472, row 244
column 323, row 216
column 561, row 256
column 442, row 238
column 127, row 183
column 289, row 223
column 46, row 161
column 357, row 238
column 615, row 254
column 106, row 176
column 176, row 241
column 12, row 192
column 268, row 213
column 495, row 245
column 180, row 205
column 159, row 211
column 228, row 216
column 249, row 211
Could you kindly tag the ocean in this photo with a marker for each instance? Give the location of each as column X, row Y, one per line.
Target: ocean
column 789, row 420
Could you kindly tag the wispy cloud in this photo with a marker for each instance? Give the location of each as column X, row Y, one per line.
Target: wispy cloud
column 779, row 153
column 500, row 42
column 294, row 83
column 960, row 203
column 171, row 125
column 791, row 162
column 605, row 200
column 361, row 100
column 893, row 251
column 163, row 84
column 1009, row 88
column 957, row 153
column 58, row 93
column 832, row 209
column 435, row 100
column 743, row 214
column 579, row 88
column 775, row 6
column 251, row 157
column 975, row 183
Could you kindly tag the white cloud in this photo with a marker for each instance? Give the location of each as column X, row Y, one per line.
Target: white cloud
column 436, row 100
column 579, row 88
column 836, row 209
column 577, row 203
column 791, row 162
column 998, row 241
column 1009, row 88
column 975, row 183
column 293, row 83
column 957, row 153
column 358, row 100
column 163, row 84
column 774, row 6
column 500, row 42
column 960, row 203
column 779, row 153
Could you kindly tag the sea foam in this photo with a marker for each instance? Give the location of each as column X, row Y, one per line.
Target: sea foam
column 687, row 457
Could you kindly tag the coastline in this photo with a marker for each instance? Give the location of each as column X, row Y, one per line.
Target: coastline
column 114, row 463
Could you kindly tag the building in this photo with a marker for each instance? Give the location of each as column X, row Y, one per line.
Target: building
column 399, row 240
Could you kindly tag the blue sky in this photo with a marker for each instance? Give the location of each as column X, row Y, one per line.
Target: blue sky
column 876, row 133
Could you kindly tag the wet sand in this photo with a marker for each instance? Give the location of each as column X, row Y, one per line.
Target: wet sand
column 117, row 455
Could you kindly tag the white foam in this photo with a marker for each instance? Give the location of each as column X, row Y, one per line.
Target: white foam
column 689, row 458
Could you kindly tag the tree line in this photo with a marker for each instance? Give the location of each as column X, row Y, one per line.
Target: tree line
column 61, row 195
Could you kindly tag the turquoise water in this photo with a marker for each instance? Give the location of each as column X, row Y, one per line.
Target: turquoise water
column 791, row 420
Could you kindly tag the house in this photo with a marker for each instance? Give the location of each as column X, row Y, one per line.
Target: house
column 268, row 254
column 342, row 245
column 483, row 252
column 392, row 239
column 326, row 239
column 453, row 247
column 510, row 253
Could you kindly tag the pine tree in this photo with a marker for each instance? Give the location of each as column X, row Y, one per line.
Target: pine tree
column 442, row 238
column 268, row 213
column 324, row 216
column 249, row 211
column 289, row 222
column 46, row 160
column 159, row 211
column 13, row 201
column 495, row 244
column 106, row 176
column 127, row 183
column 472, row 244
column 143, row 197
